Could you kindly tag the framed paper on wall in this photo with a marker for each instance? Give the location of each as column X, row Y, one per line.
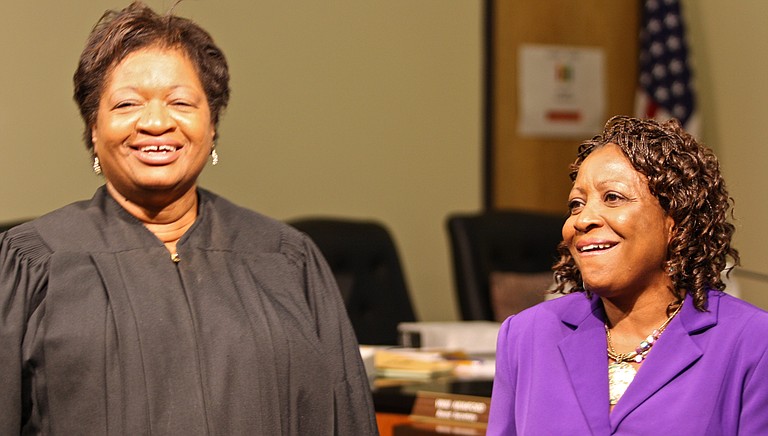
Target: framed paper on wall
column 530, row 171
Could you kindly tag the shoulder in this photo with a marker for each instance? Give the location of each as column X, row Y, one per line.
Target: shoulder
column 233, row 227
column 81, row 225
column 24, row 244
column 731, row 326
column 732, row 311
column 738, row 334
column 562, row 308
column 35, row 240
column 728, row 304
column 551, row 315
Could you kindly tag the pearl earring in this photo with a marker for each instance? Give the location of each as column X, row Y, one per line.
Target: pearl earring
column 214, row 157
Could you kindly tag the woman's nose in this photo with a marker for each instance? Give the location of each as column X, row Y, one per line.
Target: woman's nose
column 588, row 217
column 155, row 119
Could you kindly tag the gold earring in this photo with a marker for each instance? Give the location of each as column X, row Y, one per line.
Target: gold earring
column 96, row 166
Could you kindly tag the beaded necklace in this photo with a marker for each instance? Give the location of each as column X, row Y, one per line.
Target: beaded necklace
column 620, row 372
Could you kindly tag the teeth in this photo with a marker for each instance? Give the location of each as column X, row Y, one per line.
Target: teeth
column 595, row 247
column 154, row 148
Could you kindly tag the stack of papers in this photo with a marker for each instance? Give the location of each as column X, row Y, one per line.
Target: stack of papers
column 410, row 363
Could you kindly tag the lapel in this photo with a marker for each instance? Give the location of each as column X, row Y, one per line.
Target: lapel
column 674, row 352
column 584, row 355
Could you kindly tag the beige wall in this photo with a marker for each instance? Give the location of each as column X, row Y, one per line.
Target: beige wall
column 728, row 42
column 356, row 108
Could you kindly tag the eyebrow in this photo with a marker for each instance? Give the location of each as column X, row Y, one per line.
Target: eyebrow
column 601, row 184
column 136, row 88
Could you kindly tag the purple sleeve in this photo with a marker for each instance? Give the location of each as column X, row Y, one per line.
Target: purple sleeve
column 754, row 411
column 502, row 416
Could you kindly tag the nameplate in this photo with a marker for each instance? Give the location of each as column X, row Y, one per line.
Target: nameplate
column 453, row 409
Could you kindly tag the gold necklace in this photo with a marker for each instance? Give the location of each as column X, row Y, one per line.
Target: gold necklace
column 620, row 372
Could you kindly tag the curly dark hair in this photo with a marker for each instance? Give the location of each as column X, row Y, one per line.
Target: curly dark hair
column 120, row 33
column 685, row 178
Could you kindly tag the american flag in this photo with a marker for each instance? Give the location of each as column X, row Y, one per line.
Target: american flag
column 665, row 77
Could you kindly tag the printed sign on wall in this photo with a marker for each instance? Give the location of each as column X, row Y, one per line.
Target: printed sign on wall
column 561, row 91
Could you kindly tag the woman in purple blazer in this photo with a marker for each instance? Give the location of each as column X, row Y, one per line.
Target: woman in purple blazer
column 645, row 342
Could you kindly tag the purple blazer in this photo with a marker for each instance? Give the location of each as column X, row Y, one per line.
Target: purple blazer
column 707, row 374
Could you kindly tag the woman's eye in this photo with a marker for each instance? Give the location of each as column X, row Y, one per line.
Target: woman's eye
column 613, row 198
column 574, row 206
column 182, row 101
column 124, row 104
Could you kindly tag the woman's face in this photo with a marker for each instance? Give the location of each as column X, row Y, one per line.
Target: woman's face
column 617, row 232
column 153, row 129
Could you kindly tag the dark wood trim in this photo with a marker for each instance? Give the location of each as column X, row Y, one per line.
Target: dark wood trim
column 488, row 105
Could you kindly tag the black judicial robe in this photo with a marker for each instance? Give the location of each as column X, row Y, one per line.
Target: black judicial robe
column 101, row 333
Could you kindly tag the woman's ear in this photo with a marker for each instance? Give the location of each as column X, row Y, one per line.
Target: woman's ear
column 94, row 139
column 669, row 222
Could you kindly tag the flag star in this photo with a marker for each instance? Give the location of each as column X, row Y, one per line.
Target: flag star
column 676, row 66
column 659, row 71
column 678, row 88
column 654, row 26
column 671, row 21
column 673, row 43
column 661, row 94
column 645, row 79
column 657, row 49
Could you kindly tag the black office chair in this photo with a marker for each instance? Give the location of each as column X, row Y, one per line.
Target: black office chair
column 502, row 260
column 365, row 263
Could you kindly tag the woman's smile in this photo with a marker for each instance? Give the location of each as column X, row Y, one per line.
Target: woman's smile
column 157, row 152
column 587, row 247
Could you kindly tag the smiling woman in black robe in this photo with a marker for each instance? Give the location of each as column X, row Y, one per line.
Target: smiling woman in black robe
column 157, row 307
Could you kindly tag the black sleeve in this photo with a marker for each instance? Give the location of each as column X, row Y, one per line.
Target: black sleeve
column 23, row 279
column 354, row 412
